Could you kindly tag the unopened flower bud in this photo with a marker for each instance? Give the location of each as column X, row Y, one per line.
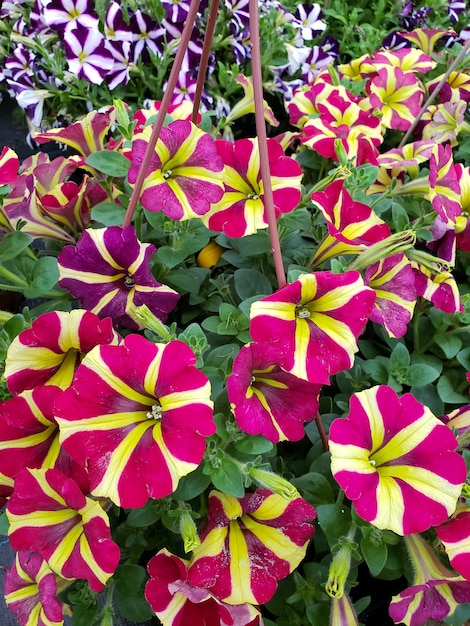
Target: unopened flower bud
column 275, row 483
column 339, row 570
column 188, row 531
column 398, row 242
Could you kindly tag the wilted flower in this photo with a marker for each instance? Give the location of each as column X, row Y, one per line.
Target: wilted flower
column 396, row 461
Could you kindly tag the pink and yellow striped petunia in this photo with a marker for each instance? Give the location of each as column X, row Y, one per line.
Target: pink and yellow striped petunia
column 176, row 602
column 444, row 184
column 48, row 514
column 396, row 461
column 455, row 535
column 29, row 437
column 393, row 281
column 265, row 399
column 49, row 352
column 185, row 174
column 9, row 165
column 241, row 210
column 109, row 270
column 398, row 95
column 249, row 544
column 137, row 416
column 31, row 589
column 316, row 322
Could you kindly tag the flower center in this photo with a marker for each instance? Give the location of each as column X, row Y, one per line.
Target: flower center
column 252, row 196
column 167, row 173
column 155, row 412
column 302, row 312
column 129, row 281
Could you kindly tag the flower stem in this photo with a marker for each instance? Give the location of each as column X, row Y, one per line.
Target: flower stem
column 175, row 69
column 206, row 48
column 321, row 432
column 263, row 142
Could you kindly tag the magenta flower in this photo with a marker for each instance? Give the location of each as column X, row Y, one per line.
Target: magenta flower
column 176, row 602
column 265, row 399
column 49, row 352
column 440, row 288
column 436, row 591
column 29, row 437
column 241, row 210
column 249, row 544
column 31, row 589
column 137, row 416
column 86, row 54
column 316, row 322
column 396, row 461
column 48, row 514
column 444, row 185
column 393, row 281
column 9, row 165
column 455, row 535
column 185, row 173
column 109, row 270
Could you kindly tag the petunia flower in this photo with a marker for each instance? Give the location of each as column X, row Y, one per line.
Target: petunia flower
column 393, row 281
column 247, row 103
column 308, row 18
column 265, row 399
column 31, row 589
column 147, row 36
column 352, row 226
column 120, row 73
column 342, row 612
column 241, row 210
column 436, row 591
column 398, row 95
column 407, row 59
column 395, row 460
column 66, row 15
column 426, row 38
column 316, row 321
column 444, row 186
column 455, row 535
column 29, row 437
column 455, row 8
column 115, row 27
column 137, row 416
column 109, row 270
column 439, row 287
column 249, row 544
column 176, row 602
column 86, row 54
column 9, row 165
column 185, row 174
column 48, row 514
column 459, row 422
column 49, row 352
column 85, row 136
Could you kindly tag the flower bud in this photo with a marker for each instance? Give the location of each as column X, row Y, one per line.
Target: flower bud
column 275, row 483
column 339, row 570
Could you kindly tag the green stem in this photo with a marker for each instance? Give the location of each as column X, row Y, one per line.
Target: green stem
column 12, row 278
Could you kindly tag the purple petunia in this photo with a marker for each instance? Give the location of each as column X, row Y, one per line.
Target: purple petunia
column 86, row 54
column 67, row 15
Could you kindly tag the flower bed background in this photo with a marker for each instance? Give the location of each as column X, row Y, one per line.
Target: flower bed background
column 239, row 385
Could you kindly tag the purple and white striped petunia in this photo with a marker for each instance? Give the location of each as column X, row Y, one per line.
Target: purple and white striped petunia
column 396, row 461
column 137, row 415
column 67, row 15
column 185, row 174
column 316, row 322
column 115, row 27
column 87, row 55
column 147, row 36
column 49, row 352
column 48, row 514
column 31, row 589
column 109, row 270
column 265, row 399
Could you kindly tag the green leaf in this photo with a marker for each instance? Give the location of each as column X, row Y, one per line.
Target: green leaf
column 463, row 357
column 421, row 374
column 334, row 520
column 449, row 344
column 400, row 357
column 110, row 163
column 192, row 485
column 145, row 516
column 427, row 395
column 129, row 593
column 13, row 245
column 399, row 217
column 4, row 524
column 109, row 213
column 229, row 479
column 447, row 393
column 83, row 614
column 256, row 444
column 187, row 280
column 375, row 555
column 170, row 257
column 45, row 276
column 249, row 283
column 211, row 324
column 315, row 488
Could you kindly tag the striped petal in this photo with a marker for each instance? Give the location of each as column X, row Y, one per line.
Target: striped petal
column 49, row 351
column 109, row 270
column 455, row 535
column 342, row 612
column 185, row 174
column 395, row 460
column 242, row 211
column 136, row 416
column 444, row 186
column 250, row 544
column 393, row 281
column 9, row 165
column 265, row 399
column 316, row 321
column 48, row 514
column 31, row 591
column 177, row 602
